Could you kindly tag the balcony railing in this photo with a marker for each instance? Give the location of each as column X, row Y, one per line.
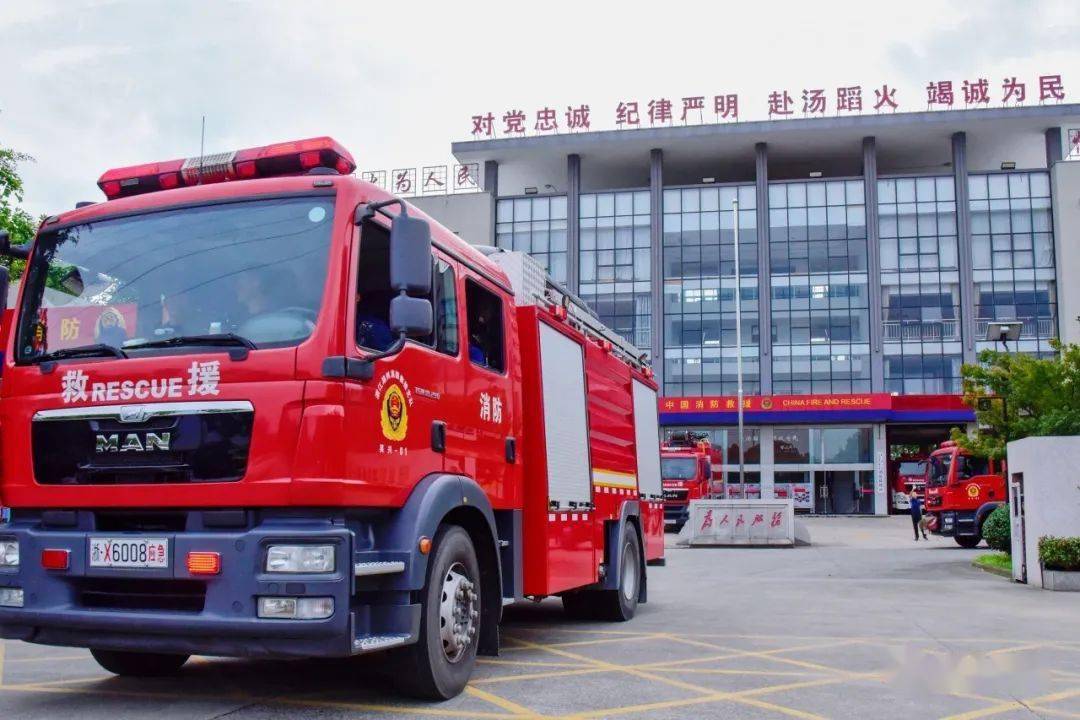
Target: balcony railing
column 897, row 330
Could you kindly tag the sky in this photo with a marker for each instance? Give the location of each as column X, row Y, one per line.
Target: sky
column 87, row 86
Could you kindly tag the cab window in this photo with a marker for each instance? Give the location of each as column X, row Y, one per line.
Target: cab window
column 373, row 296
column 968, row 467
column 485, row 326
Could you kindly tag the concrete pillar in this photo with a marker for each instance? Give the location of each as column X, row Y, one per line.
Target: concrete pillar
column 963, row 231
column 573, row 222
column 656, row 243
column 873, row 264
column 761, row 180
column 882, row 493
column 1054, row 146
column 491, row 187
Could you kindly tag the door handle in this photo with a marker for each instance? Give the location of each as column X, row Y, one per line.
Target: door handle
column 438, row 436
column 511, row 450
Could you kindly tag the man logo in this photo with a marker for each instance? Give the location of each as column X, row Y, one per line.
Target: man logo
column 132, row 442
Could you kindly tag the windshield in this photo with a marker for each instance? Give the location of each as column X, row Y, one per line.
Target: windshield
column 253, row 268
column 913, row 468
column 678, row 468
column 939, row 469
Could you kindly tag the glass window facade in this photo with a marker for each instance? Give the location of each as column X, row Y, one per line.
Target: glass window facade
column 536, row 225
column 820, row 304
column 700, row 354
column 615, row 264
column 920, row 284
column 1013, row 256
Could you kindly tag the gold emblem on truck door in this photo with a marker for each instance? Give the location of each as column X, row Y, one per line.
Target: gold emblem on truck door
column 394, row 413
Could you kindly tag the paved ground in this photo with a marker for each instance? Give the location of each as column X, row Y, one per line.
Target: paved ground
column 865, row 624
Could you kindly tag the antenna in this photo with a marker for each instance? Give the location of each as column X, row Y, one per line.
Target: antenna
column 202, row 148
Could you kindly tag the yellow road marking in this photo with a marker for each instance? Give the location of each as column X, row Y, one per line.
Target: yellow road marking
column 766, row 654
column 719, row 671
column 1014, row 705
column 707, row 694
column 745, row 697
column 604, row 641
column 502, row 702
column 540, row 675
column 1017, row 648
column 527, row 663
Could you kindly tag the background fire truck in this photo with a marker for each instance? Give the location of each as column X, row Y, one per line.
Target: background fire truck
column 686, row 470
column 314, row 424
column 961, row 492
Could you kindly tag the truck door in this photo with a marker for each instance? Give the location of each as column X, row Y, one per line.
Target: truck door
column 392, row 419
column 483, row 420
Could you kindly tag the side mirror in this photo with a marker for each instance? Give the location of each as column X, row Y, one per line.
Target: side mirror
column 15, row 251
column 5, row 283
column 411, row 316
column 410, row 255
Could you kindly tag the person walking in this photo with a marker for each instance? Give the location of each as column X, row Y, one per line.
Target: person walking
column 916, row 515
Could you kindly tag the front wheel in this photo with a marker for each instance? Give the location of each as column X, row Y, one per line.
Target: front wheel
column 621, row 604
column 439, row 664
column 967, row 541
column 138, row 664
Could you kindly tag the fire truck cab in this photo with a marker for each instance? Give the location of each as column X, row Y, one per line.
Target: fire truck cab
column 255, row 406
column 961, row 492
column 686, row 470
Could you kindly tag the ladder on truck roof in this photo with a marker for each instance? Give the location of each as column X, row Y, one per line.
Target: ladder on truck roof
column 532, row 286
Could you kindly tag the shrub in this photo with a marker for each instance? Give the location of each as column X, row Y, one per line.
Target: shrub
column 1060, row 553
column 997, row 529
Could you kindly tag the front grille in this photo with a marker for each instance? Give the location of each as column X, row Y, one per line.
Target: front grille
column 103, row 450
column 139, row 594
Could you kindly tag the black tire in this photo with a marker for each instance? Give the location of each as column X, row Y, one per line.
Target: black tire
column 621, row 604
column 967, row 541
column 138, row 664
column 425, row 669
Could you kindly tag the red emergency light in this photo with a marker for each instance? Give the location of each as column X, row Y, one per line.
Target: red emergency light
column 288, row 158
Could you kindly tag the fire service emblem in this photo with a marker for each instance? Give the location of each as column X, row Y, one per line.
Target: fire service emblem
column 395, row 398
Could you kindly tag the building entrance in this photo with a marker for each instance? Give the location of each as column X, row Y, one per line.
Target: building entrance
column 844, row 492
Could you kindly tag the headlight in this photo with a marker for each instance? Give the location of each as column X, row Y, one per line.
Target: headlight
column 9, row 553
column 291, row 608
column 11, row 597
column 300, row 559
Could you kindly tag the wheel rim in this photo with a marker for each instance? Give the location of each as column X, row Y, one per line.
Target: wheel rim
column 629, row 572
column 458, row 614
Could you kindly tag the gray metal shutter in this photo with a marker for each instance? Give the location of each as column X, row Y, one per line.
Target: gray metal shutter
column 562, row 365
column 647, row 439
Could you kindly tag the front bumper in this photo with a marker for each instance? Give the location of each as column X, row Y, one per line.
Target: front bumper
column 676, row 513
column 219, row 613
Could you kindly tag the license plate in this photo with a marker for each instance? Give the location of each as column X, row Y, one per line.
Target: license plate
column 127, row 552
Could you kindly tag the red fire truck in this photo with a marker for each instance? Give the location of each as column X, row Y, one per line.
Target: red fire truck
column 686, row 470
column 908, row 473
column 961, row 491
column 255, row 406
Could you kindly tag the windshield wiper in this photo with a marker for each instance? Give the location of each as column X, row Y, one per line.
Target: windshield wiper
column 214, row 340
column 96, row 349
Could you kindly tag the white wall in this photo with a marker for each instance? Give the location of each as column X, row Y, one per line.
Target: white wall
column 1065, row 184
column 467, row 215
column 1050, row 468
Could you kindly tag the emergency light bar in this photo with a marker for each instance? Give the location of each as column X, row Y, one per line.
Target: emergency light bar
column 289, row 158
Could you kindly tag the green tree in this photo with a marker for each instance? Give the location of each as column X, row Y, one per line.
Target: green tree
column 18, row 223
column 1016, row 395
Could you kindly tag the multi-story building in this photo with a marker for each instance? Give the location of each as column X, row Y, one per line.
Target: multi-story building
column 874, row 252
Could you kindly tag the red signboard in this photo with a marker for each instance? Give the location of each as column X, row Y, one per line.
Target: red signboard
column 765, row 403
